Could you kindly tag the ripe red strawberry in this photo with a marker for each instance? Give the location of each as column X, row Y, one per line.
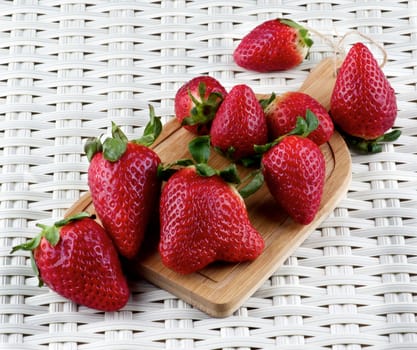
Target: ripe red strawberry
column 239, row 123
column 124, row 187
column 77, row 259
column 204, row 219
column 363, row 103
column 281, row 116
column 294, row 171
column 196, row 103
column 274, row 45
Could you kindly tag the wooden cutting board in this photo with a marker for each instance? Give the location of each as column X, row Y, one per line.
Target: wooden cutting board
column 221, row 288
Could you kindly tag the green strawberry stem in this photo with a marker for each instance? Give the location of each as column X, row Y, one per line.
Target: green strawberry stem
column 371, row 146
column 115, row 146
column 204, row 109
column 51, row 234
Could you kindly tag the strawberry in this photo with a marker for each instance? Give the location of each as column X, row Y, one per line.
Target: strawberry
column 363, row 103
column 124, row 186
column 76, row 258
column 239, row 123
column 282, row 112
column 196, row 103
column 294, row 170
column 204, row 219
column 274, row 45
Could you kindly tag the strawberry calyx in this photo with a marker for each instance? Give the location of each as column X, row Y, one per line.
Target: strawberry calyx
column 51, row 234
column 200, row 150
column 303, row 127
column 302, row 31
column 115, row 146
column 204, row 109
column 362, row 145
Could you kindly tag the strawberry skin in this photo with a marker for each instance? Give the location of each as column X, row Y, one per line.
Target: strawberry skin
column 274, row 45
column 125, row 194
column 81, row 264
column 239, row 124
column 204, row 219
column 197, row 104
column 281, row 115
column 363, row 103
column 294, row 171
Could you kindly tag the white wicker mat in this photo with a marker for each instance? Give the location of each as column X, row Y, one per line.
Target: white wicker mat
column 68, row 67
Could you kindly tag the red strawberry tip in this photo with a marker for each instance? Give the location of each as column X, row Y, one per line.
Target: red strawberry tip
column 370, row 146
column 204, row 109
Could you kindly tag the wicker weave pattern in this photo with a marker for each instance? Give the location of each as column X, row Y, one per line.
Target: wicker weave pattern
column 69, row 67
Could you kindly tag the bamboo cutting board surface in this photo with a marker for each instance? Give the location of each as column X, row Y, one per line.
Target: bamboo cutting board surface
column 221, row 288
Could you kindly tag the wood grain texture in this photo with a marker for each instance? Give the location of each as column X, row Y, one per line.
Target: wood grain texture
column 221, row 288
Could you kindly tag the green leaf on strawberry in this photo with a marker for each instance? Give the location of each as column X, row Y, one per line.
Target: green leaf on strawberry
column 115, row 146
column 93, row 146
column 304, row 127
column 204, row 169
column 205, row 108
column 152, row 129
column 255, row 183
column 230, row 174
column 51, row 233
column 371, row 146
column 199, row 148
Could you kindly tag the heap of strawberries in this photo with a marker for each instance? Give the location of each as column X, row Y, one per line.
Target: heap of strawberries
column 202, row 215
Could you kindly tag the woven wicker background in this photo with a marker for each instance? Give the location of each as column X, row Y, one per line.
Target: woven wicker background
column 68, row 67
